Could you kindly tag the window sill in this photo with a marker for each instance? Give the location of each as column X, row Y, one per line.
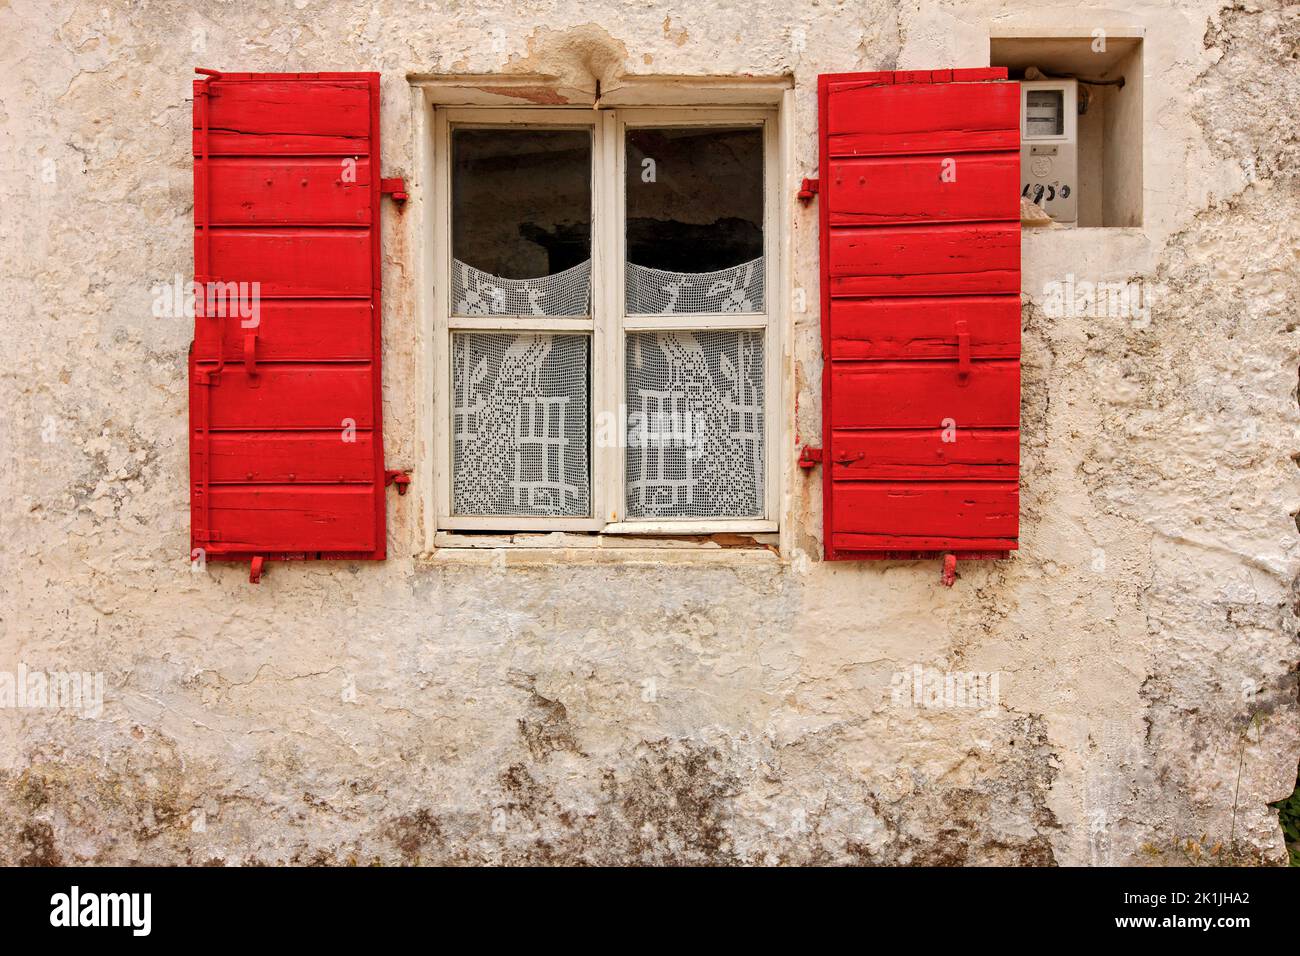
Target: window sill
column 564, row 548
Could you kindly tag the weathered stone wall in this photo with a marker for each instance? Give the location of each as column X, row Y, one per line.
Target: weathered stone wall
column 451, row 711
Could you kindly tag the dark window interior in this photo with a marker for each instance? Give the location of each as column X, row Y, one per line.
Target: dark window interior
column 698, row 205
column 521, row 200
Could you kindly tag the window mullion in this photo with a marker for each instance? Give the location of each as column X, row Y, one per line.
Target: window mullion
column 600, row 264
column 612, row 231
column 777, row 303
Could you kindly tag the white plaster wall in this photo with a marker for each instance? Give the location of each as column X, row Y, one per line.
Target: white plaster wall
column 543, row 708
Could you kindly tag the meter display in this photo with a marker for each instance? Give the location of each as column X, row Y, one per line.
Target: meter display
column 1045, row 113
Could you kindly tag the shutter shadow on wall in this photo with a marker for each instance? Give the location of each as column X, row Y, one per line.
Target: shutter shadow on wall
column 286, row 447
column 920, row 285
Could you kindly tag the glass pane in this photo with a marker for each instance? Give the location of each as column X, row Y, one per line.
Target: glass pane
column 1044, row 113
column 519, row 425
column 694, row 220
column 695, row 427
column 521, row 222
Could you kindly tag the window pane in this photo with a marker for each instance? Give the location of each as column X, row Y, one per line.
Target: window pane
column 521, row 222
column 694, row 220
column 519, row 425
column 695, row 424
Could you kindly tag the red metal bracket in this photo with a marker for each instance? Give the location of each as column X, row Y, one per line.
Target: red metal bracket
column 399, row 478
column 395, row 187
column 807, row 191
column 255, row 569
column 810, row 457
column 949, row 570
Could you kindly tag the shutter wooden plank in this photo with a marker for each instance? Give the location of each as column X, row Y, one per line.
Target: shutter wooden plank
column 924, row 328
column 301, row 330
column 295, row 396
column 912, row 118
column 282, row 519
column 303, row 457
column 924, row 454
column 979, row 258
column 923, row 394
column 896, row 189
column 896, row 547
column 298, row 117
column 247, row 191
column 971, row 510
column 295, row 262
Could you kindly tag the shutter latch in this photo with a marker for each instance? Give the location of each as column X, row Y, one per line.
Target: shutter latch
column 395, row 187
column 255, row 568
column 399, row 478
column 963, row 351
column 810, row 457
column 807, row 190
column 250, row 358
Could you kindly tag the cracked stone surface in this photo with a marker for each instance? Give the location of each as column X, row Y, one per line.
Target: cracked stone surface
column 662, row 711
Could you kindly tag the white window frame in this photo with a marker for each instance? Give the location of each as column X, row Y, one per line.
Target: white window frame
column 608, row 324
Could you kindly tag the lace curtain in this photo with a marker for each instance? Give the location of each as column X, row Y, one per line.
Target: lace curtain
column 649, row 291
column 695, row 430
column 659, row 292
column 519, row 425
column 475, row 292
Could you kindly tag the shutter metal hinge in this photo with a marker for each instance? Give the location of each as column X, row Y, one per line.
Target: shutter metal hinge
column 810, row 457
column 807, row 191
column 395, row 187
column 399, row 478
column 255, row 569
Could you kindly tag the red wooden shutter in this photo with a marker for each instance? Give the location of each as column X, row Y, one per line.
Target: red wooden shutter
column 920, row 281
column 286, row 447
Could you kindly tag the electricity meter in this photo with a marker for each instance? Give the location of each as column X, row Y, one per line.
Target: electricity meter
column 1049, row 146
